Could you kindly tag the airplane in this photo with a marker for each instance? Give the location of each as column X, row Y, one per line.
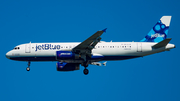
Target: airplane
column 92, row 51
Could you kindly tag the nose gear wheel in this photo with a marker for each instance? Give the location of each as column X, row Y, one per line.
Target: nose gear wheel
column 28, row 68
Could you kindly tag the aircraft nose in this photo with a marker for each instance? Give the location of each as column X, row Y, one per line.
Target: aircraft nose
column 8, row 54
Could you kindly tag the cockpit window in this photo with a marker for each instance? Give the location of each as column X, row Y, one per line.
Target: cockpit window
column 16, row 48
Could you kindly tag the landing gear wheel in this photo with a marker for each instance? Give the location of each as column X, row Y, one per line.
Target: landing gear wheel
column 86, row 71
column 28, row 69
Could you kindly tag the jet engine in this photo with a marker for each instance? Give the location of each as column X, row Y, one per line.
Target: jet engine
column 62, row 66
column 66, row 55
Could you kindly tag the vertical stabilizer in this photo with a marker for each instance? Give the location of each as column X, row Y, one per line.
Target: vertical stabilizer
column 159, row 32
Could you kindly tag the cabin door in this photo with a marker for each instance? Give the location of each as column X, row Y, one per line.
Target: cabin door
column 28, row 48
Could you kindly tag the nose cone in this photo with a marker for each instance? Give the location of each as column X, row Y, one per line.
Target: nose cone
column 8, row 54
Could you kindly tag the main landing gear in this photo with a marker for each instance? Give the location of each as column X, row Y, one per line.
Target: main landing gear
column 85, row 71
column 28, row 68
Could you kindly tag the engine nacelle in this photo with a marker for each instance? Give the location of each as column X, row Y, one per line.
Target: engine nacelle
column 62, row 66
column 66, row 55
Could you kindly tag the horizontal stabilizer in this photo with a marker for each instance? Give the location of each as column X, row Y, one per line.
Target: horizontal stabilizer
column 162, row 43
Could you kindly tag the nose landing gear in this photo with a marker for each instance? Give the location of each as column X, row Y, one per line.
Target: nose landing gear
column 28, row 68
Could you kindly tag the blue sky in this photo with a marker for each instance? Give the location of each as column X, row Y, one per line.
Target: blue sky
column 151, row 78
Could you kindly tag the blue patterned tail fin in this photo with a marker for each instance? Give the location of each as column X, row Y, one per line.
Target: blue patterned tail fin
column 159, row 31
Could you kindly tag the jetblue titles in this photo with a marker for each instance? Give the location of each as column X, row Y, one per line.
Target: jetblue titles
column 47, row 47
column 157, row 35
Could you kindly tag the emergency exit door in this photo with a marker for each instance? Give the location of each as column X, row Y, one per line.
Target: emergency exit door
column 139, row 47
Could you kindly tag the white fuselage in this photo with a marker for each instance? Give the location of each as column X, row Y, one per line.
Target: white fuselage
column 109, row 51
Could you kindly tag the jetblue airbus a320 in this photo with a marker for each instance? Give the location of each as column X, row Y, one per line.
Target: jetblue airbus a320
column 70, row 56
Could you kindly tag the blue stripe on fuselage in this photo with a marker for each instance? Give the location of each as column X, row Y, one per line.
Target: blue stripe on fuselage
column 53, row 58
column 42, row 58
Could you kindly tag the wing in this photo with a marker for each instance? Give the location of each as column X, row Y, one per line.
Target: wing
column 86, row 46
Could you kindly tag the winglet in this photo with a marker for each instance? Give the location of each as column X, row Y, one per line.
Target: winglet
column 104, row 30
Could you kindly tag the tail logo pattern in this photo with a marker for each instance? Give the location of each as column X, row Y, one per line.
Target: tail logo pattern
column 159, row 31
